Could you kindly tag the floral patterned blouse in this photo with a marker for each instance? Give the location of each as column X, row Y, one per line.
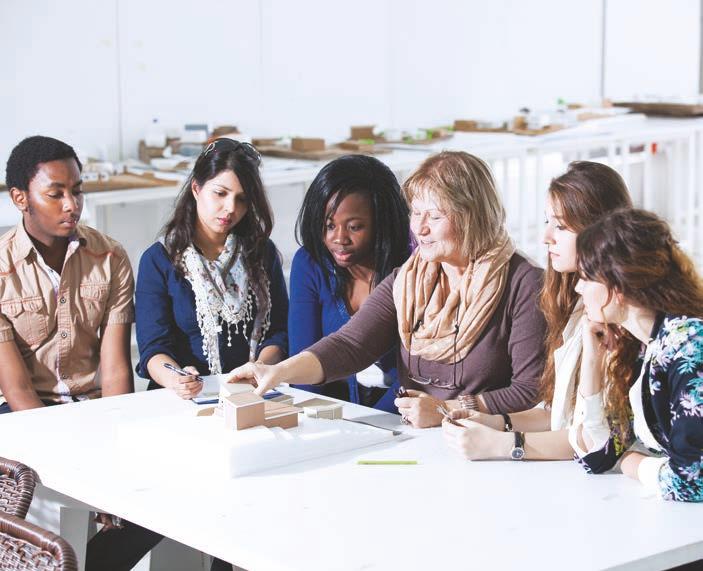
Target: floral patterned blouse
column 672, row 401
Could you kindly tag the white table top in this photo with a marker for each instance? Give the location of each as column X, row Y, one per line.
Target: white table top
column 334, row 514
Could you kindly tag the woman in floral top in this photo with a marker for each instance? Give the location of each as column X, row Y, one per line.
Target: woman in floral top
column 644, row 302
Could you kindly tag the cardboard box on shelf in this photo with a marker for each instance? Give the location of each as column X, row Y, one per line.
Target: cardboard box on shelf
column 472, row 125
column 146, row 153
column 306, row 144
column 519, row 122
column 265, row 141
column 465, row 125
column 224, row 131
column 357, row 145
column 362, row 132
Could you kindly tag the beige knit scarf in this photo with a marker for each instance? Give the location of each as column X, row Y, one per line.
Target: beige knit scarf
column 429, row 312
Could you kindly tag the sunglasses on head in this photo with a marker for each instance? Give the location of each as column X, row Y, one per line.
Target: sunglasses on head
column 231, row 144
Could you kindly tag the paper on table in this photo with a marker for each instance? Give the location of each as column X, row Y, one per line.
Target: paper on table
column 213, row 385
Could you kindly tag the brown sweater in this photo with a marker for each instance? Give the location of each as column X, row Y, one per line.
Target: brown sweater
column 504, row 365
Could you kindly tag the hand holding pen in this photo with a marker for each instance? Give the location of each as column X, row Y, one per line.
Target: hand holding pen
column 188, row 383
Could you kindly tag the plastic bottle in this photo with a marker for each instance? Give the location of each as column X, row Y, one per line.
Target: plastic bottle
column 155, row 135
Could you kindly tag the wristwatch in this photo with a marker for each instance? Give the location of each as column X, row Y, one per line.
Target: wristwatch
column 518, row 451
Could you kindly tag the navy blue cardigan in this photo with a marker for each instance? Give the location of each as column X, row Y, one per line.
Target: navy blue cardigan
column 315, row 312
column 167, row 322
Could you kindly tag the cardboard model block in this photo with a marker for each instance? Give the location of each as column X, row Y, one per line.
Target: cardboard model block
column 243, row 410
column 281, row 415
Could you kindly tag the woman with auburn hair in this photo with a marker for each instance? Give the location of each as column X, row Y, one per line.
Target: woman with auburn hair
column 642, row 293
column 577, row 198
column 464, row 307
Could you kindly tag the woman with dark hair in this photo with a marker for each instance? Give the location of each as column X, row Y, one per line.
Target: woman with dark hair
column 354, row 230
column 576, row 199
column 642, row 295
column 211, row 296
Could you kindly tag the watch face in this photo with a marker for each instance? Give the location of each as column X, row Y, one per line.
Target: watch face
column 517, row 453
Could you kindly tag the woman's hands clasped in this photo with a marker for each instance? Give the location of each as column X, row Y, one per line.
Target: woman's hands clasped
column 477, row 436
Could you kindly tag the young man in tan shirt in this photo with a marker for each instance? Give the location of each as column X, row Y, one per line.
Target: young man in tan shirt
column 66, row 308
column 66, row 311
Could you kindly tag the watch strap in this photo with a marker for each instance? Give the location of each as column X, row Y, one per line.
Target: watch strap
column 508, row 424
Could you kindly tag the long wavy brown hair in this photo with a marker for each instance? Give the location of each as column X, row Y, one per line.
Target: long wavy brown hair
column 633, row 253
column 582, row 195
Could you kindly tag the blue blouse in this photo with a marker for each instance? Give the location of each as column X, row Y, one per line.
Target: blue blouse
column 315, row 312
column 167, row 322
column 672, row 400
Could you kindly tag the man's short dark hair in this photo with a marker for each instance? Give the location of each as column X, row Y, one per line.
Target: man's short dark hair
column 26, row 157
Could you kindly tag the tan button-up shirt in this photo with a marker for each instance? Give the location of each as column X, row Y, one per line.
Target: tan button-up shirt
column 58, row 333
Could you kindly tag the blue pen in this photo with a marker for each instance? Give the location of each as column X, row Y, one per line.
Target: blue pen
column 170, row 367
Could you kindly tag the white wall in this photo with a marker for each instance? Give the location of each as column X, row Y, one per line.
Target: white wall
column 96, row 73
column 652, row 47
column 58, row 74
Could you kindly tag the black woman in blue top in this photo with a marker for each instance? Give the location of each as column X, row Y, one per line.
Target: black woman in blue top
column 644, row 302
column 354, row 230
column 211, row 296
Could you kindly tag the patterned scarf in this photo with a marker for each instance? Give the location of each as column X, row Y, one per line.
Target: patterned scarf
column 224, row 296
column 429, row 312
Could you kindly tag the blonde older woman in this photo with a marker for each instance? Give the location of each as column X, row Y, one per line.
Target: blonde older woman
column 464, row 307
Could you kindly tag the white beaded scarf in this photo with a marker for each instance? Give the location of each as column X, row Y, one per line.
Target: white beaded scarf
column 224, row 297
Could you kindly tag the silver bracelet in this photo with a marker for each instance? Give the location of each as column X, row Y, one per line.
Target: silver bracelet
column 468, row 402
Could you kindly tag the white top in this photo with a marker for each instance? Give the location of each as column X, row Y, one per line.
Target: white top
column 566, row 360
column 588, row 412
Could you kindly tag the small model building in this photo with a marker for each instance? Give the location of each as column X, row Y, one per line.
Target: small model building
column 246, row 410
column 322, row 408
